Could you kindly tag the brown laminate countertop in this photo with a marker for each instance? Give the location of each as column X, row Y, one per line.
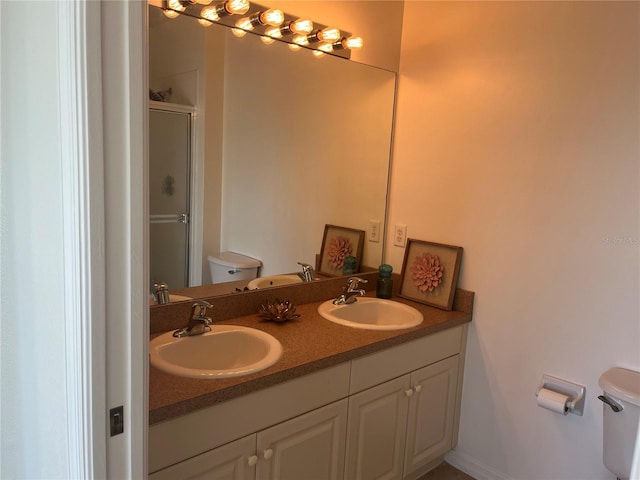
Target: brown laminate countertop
column 309, row 343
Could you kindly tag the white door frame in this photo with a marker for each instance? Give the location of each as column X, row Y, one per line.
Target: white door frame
column 125, row 116
column 103, row 122
column 83, row 227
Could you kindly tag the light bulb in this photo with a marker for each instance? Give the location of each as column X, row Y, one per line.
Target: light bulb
column 237, row 32
column 204, row 23
column 273, row 32
column 170, row 13
column 210, row 14
column 244, row 23
column 271, row 17
column 236, row 7
column 325, row 47
column 301, row 27
column 352, row 42
column 173, row 9
column 329, row 35
column 300, row 40
column 267, row 40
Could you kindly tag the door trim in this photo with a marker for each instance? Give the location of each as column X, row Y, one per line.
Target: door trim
column 83, row 226
column 124, row 88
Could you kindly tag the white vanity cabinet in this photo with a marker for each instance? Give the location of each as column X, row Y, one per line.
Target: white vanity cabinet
column 391, row 414
column 377, row 431
column 234, row 461
column 309, row 446
column 404, row 424
column 404, row 406
column 431, row 419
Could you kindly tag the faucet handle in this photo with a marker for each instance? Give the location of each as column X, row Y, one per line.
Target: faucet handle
column 354, row 282
column 160, row 293
column 307, row 272
column 199, row 309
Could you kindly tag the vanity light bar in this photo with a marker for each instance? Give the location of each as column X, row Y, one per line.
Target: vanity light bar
column 266, row 22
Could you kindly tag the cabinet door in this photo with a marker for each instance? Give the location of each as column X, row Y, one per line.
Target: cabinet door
column 431, row 413
column 376, row 432
column 308, row 447
column 233, row 461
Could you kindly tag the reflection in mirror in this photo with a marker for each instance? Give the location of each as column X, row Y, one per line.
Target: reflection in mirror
column 285, row 143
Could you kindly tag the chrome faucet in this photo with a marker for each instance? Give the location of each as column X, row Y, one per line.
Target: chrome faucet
column 350, row 292
column 306, row 275
column 160, row 293
column 198, row 322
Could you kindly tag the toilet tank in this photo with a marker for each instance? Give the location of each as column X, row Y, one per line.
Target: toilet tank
column 620, row 428
column 232, row 266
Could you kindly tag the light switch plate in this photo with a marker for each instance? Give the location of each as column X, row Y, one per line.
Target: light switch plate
column 400, row 235
column 374, row 231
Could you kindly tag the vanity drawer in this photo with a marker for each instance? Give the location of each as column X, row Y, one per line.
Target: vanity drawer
column 393, row 362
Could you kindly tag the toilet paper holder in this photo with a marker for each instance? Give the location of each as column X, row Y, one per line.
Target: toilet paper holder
column 575, row 392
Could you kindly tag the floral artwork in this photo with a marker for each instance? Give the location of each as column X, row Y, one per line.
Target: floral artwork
column 430, row 273
column 338, row 243
column 339, row 249
column 427, row 272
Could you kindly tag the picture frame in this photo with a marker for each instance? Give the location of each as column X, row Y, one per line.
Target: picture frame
column 338, row 243
column 430, row 273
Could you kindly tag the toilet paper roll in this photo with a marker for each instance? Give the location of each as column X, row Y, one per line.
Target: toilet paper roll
column 554, row 401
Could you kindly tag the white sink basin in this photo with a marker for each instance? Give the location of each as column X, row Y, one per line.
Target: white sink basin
column 273, row 281
column 372, row 314
column 225, row 351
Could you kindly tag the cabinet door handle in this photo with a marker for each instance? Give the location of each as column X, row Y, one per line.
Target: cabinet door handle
column 418, row 388
column 268, row 454
column 253, row 459
column 409, row 392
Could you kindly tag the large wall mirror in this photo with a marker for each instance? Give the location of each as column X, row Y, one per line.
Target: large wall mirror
column 283, row 143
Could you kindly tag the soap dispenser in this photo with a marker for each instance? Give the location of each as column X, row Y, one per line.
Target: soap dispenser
column 385, row 282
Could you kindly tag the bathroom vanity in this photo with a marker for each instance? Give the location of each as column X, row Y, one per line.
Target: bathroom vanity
column 340, row 403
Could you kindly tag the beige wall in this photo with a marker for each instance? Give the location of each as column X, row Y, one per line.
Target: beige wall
column 517, row 138
column 306, row 143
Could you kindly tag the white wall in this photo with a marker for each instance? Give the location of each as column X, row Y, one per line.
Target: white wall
column 32, row 325
column 517, row 138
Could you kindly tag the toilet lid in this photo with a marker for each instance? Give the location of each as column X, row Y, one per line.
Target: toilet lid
column 622, row 384
column 234, row 260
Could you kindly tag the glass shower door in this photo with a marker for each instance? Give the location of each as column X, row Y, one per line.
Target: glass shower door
column 169, row 196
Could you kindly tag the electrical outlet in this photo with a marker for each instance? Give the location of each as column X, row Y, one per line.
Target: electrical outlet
column 374, row 231
column 400, row 235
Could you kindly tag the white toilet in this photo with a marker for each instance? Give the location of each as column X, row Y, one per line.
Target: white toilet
column 231, row 266
column 621, row 399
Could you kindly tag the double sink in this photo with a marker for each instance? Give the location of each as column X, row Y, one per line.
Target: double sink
column 234, row 351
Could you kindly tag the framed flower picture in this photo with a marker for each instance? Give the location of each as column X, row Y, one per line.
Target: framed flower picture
column 430, row 273
column 338, row 243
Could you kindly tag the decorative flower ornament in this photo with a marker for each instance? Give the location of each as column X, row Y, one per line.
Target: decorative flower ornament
column 339, row 249
column 427, row 272
column 278, row 311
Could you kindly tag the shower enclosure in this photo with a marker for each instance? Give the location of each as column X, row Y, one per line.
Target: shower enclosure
column 170, row 129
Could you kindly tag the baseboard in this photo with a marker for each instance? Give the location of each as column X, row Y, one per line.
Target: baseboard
column 425, row 469
column 473, row 467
